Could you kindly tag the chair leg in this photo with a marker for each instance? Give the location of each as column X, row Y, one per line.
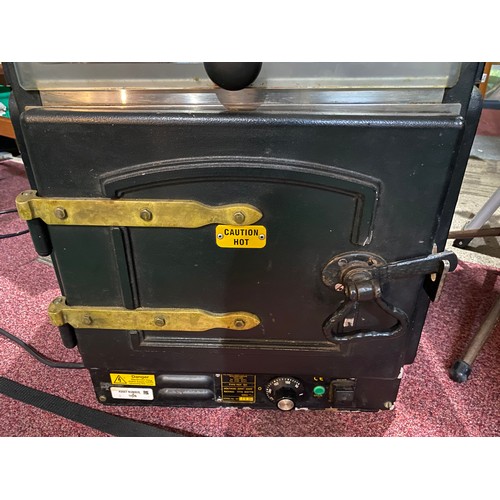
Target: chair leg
column 461, row 369
column 480, row 219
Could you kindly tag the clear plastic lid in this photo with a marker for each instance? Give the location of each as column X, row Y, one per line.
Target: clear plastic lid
column 274, row 75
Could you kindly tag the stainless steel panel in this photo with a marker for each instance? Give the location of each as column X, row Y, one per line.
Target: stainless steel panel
column 413, row 101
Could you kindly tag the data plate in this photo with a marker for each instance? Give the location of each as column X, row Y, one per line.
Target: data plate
column 238, row 388
column 240, row 236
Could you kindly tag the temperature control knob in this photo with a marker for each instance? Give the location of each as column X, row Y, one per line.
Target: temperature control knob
column 284, row 391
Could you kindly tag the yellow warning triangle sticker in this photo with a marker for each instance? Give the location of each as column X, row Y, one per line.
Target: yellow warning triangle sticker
column 132, row 379
column 119, row 380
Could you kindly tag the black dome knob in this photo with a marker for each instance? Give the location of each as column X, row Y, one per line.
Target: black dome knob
column 233, row 75
column 284, row 391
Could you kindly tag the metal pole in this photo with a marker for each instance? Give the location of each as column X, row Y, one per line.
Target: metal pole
column 482, row 335
column 461, row 369
column 484, row 214
column 474, row 233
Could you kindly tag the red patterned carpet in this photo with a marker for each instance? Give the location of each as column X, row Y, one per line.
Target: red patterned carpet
column 429, row 403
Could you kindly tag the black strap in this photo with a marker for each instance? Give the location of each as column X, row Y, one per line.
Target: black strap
column 99, row 420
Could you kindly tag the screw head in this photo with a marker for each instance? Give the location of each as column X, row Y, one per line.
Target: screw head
column 220, row 236
column 239, row 217
column 160, row 321
column 60, row 213
column 146, row 214
column 87, row 319
column 339, row 287
column 388, row 404
column 342, row 262
column 262, row 237
column 239, row 323
column 102, row 398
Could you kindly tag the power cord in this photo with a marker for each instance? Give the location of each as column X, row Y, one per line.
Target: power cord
column 38, row 356
column 31, row 350
column 11, row 235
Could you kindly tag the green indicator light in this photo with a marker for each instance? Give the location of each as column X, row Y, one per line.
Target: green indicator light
column 319, row 390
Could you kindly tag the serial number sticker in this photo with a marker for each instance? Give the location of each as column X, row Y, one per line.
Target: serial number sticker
column 238, row 388
column 240, row 236
column 126, row 393
column 132, row 379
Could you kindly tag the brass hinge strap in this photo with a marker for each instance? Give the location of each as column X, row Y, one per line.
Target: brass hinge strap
column 131, row 213
column 119, row 318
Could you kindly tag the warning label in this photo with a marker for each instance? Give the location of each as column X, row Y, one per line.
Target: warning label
column 132, row 379
column 238, row 388
column 241, row 236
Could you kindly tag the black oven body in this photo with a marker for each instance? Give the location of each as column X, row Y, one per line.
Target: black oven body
column 339, row 196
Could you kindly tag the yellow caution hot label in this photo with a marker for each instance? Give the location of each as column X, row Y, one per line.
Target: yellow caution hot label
column 240, row 236
column 132, row 379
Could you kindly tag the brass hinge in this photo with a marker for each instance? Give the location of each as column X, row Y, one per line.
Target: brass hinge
column 131, row 213
column 119, row 318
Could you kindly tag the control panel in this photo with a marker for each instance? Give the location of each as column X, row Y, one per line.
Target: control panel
column 284, row 392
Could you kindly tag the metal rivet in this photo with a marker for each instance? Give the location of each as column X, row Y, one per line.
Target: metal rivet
column 220, row 236
column 60, row 213
column 342, row 262
column 339, row 287
column 388, row 404
column 87, row 319
column 239, row 217
column 262, row 236
column 160, row 321
column 239, row 323
column 102, row 398
column 146, row 214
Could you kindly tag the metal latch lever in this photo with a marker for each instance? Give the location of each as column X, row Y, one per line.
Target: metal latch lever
column 361, row 275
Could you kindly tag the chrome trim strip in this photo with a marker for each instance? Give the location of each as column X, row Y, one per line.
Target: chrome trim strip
column 244, row 99
column 406, row 102
column 450, row 110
